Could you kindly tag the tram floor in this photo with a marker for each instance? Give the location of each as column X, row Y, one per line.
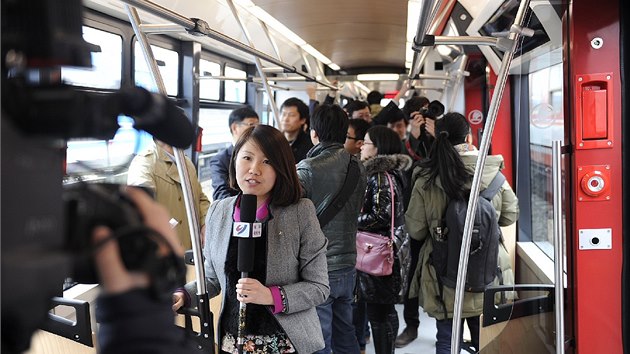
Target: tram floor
column 424, row 344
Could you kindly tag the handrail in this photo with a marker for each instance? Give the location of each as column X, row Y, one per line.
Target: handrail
column 259, row 67
column 205, row 317
column 556, row 159
column 427, row 11
column 180, row 159
column 515, row 33
column 420, row 53
column 201, row 28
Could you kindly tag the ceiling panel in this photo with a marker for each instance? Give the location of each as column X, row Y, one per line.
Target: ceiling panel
column 352, row 33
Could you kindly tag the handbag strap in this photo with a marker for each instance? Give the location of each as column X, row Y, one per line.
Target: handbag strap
column 393, row 211
column 349, row 184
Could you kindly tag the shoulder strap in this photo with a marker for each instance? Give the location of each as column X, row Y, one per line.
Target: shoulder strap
column 393, row 211
column 352, row 178
column 494, row 186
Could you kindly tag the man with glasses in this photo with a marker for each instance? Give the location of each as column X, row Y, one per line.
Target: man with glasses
column 357, row 128
column 240, row 119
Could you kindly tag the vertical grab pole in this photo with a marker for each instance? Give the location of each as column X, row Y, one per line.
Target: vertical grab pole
column 556, row 156
column 459, row 78
column 259, row 67
column 205, row 316
column 515, row 33
column 180, row 161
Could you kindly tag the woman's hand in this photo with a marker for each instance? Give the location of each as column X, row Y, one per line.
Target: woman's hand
column 251, row 291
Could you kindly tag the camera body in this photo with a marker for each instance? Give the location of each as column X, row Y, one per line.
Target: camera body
column 87, row 206
column 434, row 110
column 100, row 204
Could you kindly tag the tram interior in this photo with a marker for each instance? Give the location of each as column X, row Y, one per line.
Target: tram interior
column 339, row 45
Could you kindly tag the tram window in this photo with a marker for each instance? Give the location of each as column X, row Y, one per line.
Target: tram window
column 168, row 65
column 208, row 88
column 546, row 124
column 95, row 159
column 235, row 90
column 502, row 20
column 106, row 69
column 216, row 133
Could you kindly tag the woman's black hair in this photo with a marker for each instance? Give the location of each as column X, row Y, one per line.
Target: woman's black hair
column 287, row 189
column 444, row 161
column 386, row 141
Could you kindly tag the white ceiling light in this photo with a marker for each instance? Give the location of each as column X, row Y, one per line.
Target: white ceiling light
column 378, row 77
column 271, row 21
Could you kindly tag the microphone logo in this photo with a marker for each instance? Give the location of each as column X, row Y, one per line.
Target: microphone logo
column 247, row 230
column 241, row 230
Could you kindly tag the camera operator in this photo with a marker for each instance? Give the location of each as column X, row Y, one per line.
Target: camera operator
column 131, row 320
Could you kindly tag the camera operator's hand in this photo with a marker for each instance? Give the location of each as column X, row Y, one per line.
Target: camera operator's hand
column 417, row 121
column 179, row 300
column 429, row 126
column 114, row 277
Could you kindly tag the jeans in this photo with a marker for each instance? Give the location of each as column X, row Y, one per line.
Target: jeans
column 335, row 315
column 445, row 331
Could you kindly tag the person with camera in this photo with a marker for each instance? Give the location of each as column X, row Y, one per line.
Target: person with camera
column 132, row 318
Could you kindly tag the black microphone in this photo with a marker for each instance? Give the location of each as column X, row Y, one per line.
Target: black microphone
column 158, row 115
column 246, row 230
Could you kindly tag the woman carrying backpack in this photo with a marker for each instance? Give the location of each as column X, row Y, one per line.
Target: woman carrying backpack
column 384, row 163
column 447, row 175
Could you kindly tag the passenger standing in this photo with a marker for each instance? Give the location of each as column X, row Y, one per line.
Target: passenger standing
column 290, row 274
column 322, row 175
column 356, row 132
column 416, row 144
column 381, row 155
column 293, row 123
column 155, row 168
column 358, row 109
column 357, row 128
column 239, row 120
column 374, row 100
column 445, row 175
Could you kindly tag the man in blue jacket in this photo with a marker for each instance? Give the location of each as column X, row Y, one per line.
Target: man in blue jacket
column 240, row 119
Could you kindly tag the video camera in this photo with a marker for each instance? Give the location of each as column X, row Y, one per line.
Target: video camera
column 46, row 228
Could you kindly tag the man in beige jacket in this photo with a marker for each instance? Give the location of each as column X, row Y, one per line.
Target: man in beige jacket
column 155, row 168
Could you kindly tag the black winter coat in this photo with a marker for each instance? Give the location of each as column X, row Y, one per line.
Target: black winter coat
column 376, row 217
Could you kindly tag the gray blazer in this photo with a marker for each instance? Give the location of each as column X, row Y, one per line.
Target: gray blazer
column 296, row 260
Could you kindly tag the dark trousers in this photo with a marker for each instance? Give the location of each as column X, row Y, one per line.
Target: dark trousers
column 411, row 310
column 384, row 322
column 445, row 332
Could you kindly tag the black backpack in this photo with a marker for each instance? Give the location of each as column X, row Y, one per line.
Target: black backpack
column 484, row 245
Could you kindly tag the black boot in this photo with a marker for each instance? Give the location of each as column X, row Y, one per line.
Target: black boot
column 384, row 334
